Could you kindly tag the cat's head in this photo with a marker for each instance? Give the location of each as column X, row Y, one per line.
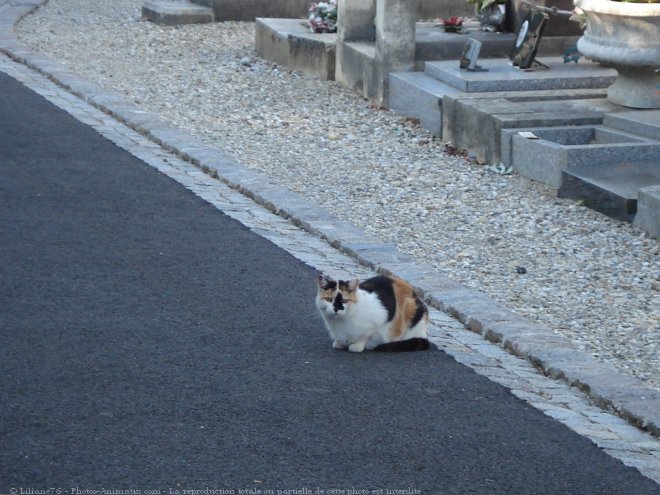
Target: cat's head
column 335, row 297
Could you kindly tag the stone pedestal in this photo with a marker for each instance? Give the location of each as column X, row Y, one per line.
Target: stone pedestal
column 355, row 25
column 636, row 87
column 395, row 33
column 355, row 20
column 395, row 43
column 374, row 38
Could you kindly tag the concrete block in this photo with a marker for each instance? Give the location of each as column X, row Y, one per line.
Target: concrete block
column 313, row 55
column 375, row 89
column 354, row 65
column 395, row 33
column 467, row 127
column 395, row 45
column 288, row 42
column 415, row 94
column 355, row 20
column 648, row 210
column 271, row 39
column 176, row 12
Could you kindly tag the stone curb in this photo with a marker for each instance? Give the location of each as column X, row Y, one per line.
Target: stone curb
column 552, row 354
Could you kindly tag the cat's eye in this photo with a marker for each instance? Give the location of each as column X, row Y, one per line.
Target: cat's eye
column 329, row 299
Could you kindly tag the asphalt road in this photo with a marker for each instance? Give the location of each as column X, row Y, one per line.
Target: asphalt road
column 149, row 342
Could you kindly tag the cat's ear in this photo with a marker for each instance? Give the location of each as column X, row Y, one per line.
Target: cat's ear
column 323, row 280
column 354, row 284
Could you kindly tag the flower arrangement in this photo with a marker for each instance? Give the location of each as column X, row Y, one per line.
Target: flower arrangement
column 452, row 24
column 322, row 17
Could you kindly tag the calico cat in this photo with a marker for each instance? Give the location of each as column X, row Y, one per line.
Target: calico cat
column 381, row 313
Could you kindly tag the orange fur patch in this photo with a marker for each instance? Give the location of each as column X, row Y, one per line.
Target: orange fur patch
column 348, row 295
column 406, row 307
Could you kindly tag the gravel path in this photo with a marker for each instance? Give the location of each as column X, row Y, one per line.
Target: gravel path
column 592, row 279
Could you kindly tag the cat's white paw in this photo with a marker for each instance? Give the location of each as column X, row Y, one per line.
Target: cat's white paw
column 338, row 345
column 356, row 347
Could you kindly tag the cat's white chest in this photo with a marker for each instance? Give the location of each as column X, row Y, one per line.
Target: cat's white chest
column 363, row 322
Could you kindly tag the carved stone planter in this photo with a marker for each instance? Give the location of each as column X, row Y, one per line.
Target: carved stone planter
column 625, row 36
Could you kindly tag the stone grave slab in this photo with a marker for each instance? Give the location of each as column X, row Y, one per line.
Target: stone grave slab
column 177, row 12
column 501, row 75
column 610, row 188
column 546, row 153
column 477, row 124
column 643, row 122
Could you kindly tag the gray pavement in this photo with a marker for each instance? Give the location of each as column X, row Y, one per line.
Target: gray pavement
column 554, row 398
column 152, row 343
column 628, row 396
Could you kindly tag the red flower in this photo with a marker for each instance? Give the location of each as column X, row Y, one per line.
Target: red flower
column 453, row 21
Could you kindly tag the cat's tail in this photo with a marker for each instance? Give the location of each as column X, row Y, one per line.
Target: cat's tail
column 414, row 344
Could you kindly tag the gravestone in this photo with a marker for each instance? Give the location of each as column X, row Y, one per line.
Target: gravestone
column 558, row 25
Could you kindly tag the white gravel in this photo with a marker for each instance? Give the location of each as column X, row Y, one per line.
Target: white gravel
column 592, row 279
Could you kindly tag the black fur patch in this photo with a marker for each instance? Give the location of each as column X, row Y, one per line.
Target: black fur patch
column 410, row 345
column 419, row 313
column 338, row 303
column 382, row 286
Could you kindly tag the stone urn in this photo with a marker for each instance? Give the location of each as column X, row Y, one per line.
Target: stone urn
column 625, row 36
